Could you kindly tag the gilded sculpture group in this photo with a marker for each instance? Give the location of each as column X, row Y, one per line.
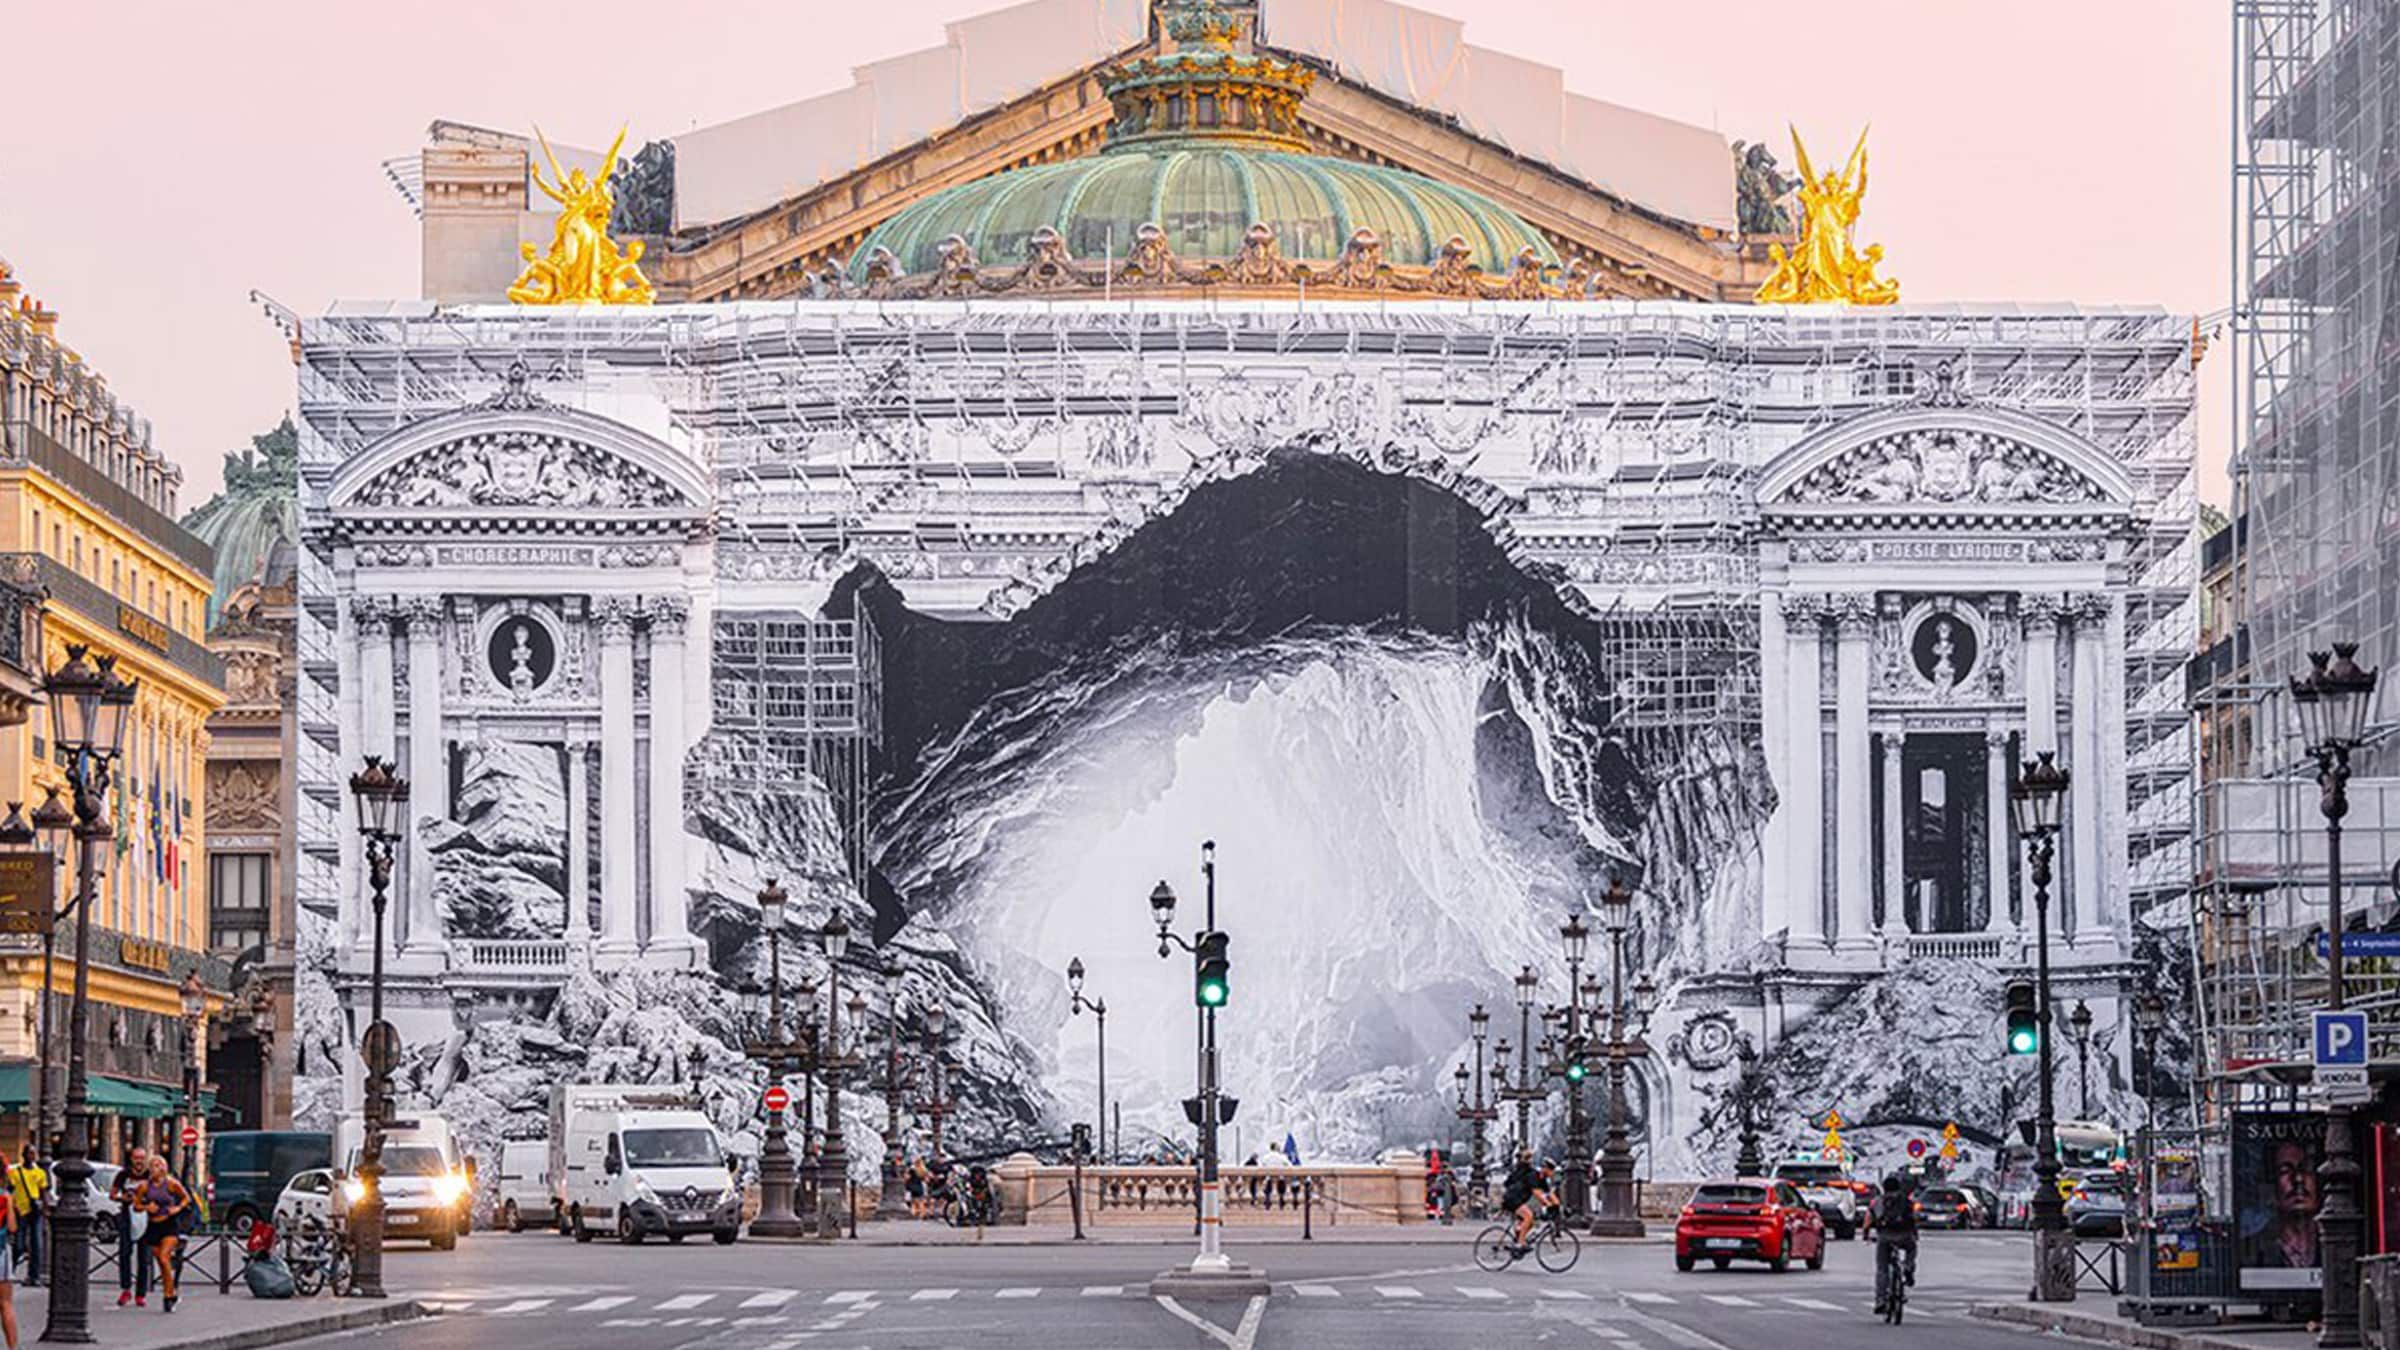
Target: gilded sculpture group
column 584, row 265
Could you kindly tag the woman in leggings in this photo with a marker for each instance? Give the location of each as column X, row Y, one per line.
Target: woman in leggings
column 164, row 1199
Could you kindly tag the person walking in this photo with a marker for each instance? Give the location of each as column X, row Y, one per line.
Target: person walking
column 133, row 1264
column 918, row 1180
column 169, row 1205
column 29, row 1199
column 8, row 1271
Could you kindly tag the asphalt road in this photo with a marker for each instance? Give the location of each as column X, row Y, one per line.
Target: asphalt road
column 532, row 1291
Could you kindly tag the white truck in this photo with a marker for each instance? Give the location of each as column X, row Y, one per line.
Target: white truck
column 634, row 1160
column 427, row 1185
column 526, row 1193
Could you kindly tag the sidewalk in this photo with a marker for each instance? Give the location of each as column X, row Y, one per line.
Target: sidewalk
column 2094, row 1317
column 207, row 1320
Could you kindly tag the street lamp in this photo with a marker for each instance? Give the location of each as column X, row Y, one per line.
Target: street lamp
column 776, row 1174
column 892, row 1202
column 195, row 1011
column 1478, row 1110
column 1523, row 1092
column 1619, row 1216
column 937, row 1105
column 381, row 798
column 1099, row 1011
column 1575, row 936
column 2333, row 704
column 2149, row 1019
column 2079, row 1030
column 54, row 823
column 833, row 1168
column 2034, row 803
column 1751, row 1160
column 806, row 1047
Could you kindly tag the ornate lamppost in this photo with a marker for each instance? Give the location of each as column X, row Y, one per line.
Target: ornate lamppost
column 833, row 1168
column 54, row 823
column 2334, row 703
column 892, row 1203
column 777, row 1175
column 1577, row 1192
column 1523, row 1092
column 1099, row 1009
column 1619, row 1215
column 2079, row 1030
column 1478, row 1109
column 195, row 1011
column 936, row 1106
column 382, row 797
column 2034, row 802
column 88, row 707
column 2149, row 1019
column 1751, row 1160
column 1211, row 1107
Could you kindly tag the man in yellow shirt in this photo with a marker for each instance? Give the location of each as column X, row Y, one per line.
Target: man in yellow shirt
column 29, row 1190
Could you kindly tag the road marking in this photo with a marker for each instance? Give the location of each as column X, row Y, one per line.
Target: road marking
column 1246, row 1335
column 850, row 1296
column 1730, row 1300
column 773, row 1298
column 758, row 1321
column 706, row 1321
column 1397, row 1291
column 678, row 1322
column 1565, row 1294
column 1021, row 1293
column 630, row 1322
column 1242, row 1337
column 932, row 1295
column 603, row 1303
column 1816, row 1304
column 1103, row 1290
column 682, row 1302
column 1316, row 1291
column 1480, row 1291
column 523, row 1305
column 1646, row 1296
column 1613, row 1333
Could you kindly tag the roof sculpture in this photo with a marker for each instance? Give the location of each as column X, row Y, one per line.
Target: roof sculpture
column 254, row 515
column 584, row 265
column 1827, row 267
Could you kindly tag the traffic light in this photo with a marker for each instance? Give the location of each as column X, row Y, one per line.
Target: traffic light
column 1212, row 971
column 1575, row 1065
column 2024, row 1019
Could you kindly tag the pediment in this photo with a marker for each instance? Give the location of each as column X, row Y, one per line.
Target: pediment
column 1946, row 459
column 520, row 456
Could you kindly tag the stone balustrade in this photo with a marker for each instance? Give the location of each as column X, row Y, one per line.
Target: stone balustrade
column 1383, row 1193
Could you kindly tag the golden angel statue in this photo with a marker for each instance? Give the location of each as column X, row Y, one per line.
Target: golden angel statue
column 584, row 266
column 1826, row 267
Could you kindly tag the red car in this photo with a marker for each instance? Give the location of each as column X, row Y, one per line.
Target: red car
column 1753, row 1219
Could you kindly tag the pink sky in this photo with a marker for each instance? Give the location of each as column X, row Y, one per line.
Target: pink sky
column 164, row 158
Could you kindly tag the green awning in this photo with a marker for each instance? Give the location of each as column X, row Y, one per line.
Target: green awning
column 108, row 1096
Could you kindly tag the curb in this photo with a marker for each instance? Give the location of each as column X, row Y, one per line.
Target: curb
column 2094, row 1327
column 350, row 1319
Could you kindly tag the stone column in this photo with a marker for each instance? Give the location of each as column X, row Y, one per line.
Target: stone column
column 1854, row 874
column 350, row 742
column 367, row 701
column 578, row 927
column 670, row 907
column 1895, row 839
column 2041, row 614
column 2003, row 846
column 1774, row 717
column 428, row 774
column 2116, row 861
column 1804, row 747
column 2088, row 889
column 619, row 939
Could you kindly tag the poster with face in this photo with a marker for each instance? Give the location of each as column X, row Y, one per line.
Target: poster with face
column 2275, row 1158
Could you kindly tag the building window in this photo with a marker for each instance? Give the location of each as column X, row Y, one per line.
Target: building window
column 237, row 899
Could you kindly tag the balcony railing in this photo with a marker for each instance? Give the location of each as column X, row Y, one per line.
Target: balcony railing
column 25, row 444
column 1958, row 946
column 511, row 956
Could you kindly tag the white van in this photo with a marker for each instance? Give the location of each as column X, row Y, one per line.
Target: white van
column 526, row 1195
column 427, row 1186
column 638, row 1160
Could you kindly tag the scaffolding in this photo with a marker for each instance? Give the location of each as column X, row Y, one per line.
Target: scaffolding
column 797, row 702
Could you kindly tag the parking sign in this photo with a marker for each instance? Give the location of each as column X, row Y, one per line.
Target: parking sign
column 2341, row 1040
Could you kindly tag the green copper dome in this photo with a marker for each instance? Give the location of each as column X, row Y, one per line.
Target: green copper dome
column 257, row 511
column 1205, row 196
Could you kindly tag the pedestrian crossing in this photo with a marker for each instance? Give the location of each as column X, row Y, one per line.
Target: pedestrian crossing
column 758, row 1307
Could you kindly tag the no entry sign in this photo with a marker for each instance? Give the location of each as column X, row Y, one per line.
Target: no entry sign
column 778, row 1097
column 191, row 1136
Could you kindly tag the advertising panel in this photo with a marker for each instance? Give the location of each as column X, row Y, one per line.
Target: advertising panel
column 2275, row 1158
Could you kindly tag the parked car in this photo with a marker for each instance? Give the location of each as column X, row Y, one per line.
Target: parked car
column 1984, row 1200
column 1825, row 1186
column 248, row 1169
column 1749, row 1220
column 526, row 1195
column 1947, row 1207
column 308, row 1195
column 2096, row 1207
column 104, row 1178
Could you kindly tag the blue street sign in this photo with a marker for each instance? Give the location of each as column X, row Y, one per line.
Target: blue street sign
column 2356, row 945
column 2341, row 1039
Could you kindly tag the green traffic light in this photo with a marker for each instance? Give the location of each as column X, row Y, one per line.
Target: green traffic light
column 1574, row 1073
column 1212, row 993
column 2022, row 1041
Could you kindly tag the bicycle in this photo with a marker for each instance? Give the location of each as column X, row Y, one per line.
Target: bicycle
column 318, row 1256
column 1551, row 1243
column 1895, row 1270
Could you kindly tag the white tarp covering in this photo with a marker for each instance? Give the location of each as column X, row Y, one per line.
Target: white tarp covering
column 1673, row 168
column 753, row 162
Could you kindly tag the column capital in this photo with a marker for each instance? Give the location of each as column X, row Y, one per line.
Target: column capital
column 668, row 615
column 2041, row 609
column 372, row 614
column 1854, row 613
column 2087, row 607
column 1892, row 741
column 1806, row 608
column 1995, row 740
column 614, row 614
column 423, row 613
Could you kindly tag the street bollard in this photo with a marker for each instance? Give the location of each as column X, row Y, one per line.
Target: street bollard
column 1308, row 1209
column 1075, row 1197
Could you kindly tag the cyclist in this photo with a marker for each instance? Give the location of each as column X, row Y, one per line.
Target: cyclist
column 1895, row 1239
column 1526, row 1193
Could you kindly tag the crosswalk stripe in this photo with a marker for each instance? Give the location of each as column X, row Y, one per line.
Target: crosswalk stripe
column 1646, row 1296
column 1397, row 1291
column 683, row 1302
column 630, row 1322
column 850, row 1296
column 757, row 1321
column 1814, row 1304
column 1480, row 1291
column 603, row 1303
column 1316, row 1291
column 1565, row 1293
column 1730, row 1300
column 773, row 1298
column 1103, row 1290
column 523, row 1305
column 932, row 1295
column 1021, row 1293
column 1613, row 1333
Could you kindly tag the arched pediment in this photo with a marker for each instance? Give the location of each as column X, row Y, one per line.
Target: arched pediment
column 518, row 456
column 1947, row 458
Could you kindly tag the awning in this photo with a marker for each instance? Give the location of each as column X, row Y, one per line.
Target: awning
column 108, row 1096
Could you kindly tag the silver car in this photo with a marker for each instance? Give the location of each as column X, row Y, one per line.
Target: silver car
column 2096, row 1207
